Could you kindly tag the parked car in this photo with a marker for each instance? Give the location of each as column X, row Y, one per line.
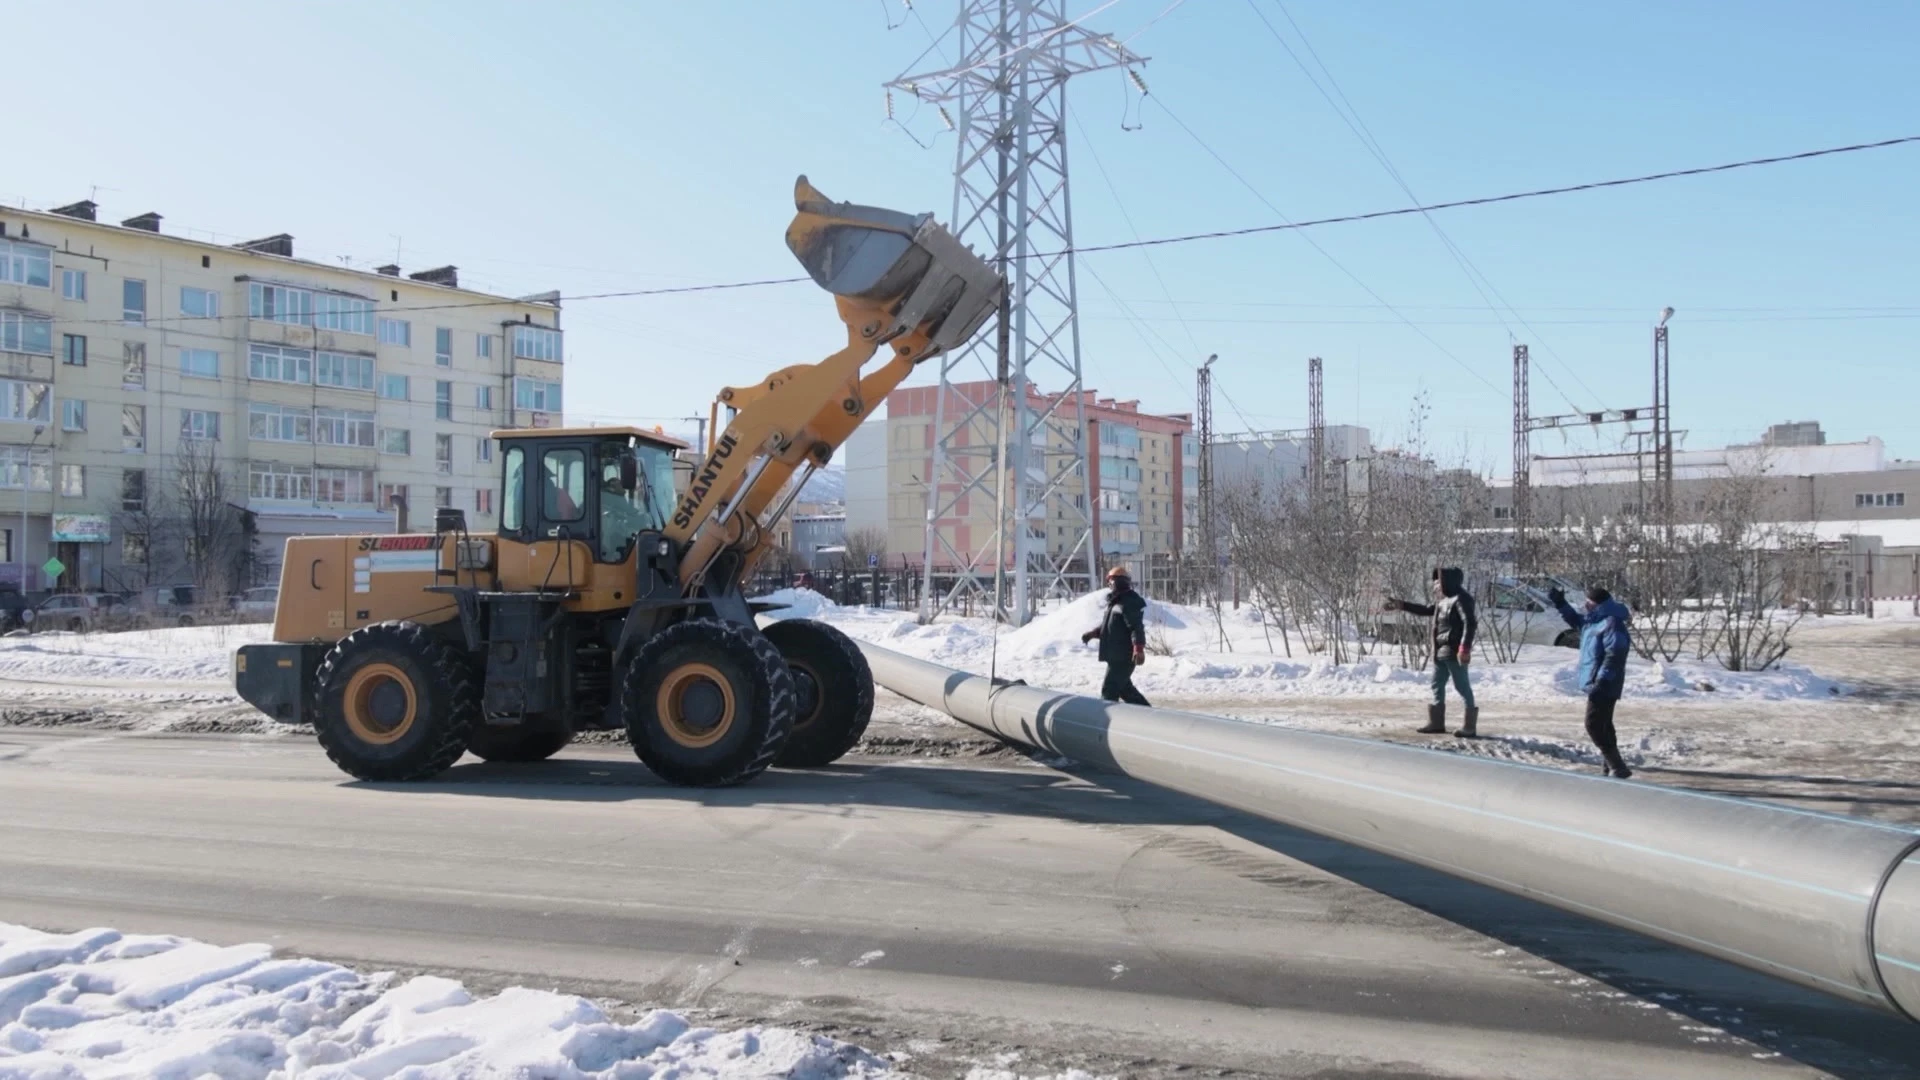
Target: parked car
column 78, row 612
column 257, row 604
column 172, row 605
column 1521, row 605
column 16, row 611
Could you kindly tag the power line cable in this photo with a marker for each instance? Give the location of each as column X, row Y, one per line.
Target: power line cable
column 1338, row 265
column 1350, row 116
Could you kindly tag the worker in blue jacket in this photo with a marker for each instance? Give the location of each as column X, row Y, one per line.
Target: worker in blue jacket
column 1604, row 643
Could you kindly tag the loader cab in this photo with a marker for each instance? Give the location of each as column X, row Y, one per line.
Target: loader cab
column 599, row 486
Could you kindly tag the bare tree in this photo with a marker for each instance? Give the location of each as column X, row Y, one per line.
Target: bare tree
column 1745, row 568
column 863, row 543
column 213, row 530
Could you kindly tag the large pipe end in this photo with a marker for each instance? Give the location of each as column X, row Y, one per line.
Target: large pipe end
column 1895, row 934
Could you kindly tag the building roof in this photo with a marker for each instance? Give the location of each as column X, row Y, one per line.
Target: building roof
column 69, row 221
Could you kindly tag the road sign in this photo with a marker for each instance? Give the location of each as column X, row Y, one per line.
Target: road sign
column 873, row 561
column 53, row 568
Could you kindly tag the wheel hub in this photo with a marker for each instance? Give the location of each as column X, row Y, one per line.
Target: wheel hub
column 695, row 705
column 806, row 694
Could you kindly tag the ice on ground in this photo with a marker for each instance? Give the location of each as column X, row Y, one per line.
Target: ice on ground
column 102, row 1004
column 1190, row 654
column 192, row 654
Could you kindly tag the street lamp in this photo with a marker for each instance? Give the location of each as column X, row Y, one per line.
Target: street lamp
column 26, row 483
column 1665, row 314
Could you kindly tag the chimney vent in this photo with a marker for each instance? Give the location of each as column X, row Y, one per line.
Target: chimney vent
column 439, row 275
column 277, row 244
column 389, row 270
column 147, row 222
column 83, row 210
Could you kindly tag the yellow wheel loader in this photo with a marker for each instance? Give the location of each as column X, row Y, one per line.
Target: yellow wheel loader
column 608, row 600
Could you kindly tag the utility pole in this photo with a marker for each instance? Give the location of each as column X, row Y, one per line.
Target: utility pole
column 1209, row 539
column 1522, row 461
column 1011, row 195
column 1316, row 431
column 1662, row 427
column 700, row 439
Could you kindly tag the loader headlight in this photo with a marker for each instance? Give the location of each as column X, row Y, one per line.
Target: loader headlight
column 665, row 549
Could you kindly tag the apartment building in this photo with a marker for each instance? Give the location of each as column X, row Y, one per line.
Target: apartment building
column 322, row 397
column 1139, row 475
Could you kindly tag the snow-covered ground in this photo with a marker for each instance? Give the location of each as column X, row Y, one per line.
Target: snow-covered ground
column 1192, row 655
column 101, row 1004
column 194, row 654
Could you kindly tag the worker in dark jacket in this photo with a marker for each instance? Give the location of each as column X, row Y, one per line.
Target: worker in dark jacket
column 1454, row 624
column 1123, row 638
column 1604, row 642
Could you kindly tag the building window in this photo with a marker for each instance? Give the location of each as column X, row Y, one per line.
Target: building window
column 278, row 303
column 133, row 548
column 443, row 400
column 396, row 332
column 24, row 333
column 279, row 423
column 536, row 343
column 133, row 492
column 22, row 263
column 483, row 346
column 483, row 501
column 272, row 480
column 73, row 415
column 133, row 428
column 393, row 387
column 390, row 492
column 1879, row 500
column 342, row 427
column 200, row 363
column 199, row 303
column 397, row 441
column 442, row 346
column 19, row 467
column 133, row 365
column 443, row 454
column 133, row 301
column 1503, row 513
column 25, row 400
column 73, row 349
column 443, row 496
column 346, row 486
column 73, row 284
column 348, row 371
column 276, row 363
column 200, row 424
column 73, row 481
column 483, row 398
column 536, row 394
column 346, row 314
column 483, row 449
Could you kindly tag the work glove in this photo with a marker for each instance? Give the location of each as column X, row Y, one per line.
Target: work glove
column 1389, row 604
column 1139, row 656
column 1089, row 636
column 1558, row 596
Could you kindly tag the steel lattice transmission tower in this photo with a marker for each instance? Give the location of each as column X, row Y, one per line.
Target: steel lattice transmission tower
column 1024, row 448
column 1209, row 538
column 1316, row 432
column 1522, row 510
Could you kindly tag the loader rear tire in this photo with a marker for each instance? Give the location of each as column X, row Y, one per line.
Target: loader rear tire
column 393, row 702
column 833, row 689
column 524, row 743
column 707, row 703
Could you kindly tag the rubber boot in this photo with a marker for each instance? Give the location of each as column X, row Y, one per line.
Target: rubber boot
column 1470, row 726
column 1617, row 766
column 1436, row 720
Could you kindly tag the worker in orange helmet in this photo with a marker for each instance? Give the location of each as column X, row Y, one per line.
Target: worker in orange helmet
column 1123, row 638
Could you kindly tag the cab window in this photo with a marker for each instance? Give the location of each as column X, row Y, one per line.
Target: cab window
column 513, row 496
column 564, row 485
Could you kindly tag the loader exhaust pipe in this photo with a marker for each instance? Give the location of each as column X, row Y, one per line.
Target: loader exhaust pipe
column 1829, row 903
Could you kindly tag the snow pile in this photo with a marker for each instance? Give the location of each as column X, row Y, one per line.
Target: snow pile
column 101, row 1004
column 797, row 604
column 1190, row 654
column 193, row 654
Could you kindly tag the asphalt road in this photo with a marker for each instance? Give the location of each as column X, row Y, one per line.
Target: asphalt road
column 950, row 910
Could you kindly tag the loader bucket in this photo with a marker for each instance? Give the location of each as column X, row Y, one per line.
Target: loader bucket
column 907, row 264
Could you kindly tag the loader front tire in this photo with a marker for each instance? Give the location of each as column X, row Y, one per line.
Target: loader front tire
column 394, row 702
column 708, row 704
column 524, row 743
column 833, row 688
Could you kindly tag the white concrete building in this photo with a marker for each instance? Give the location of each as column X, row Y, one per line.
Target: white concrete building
column 321, row 392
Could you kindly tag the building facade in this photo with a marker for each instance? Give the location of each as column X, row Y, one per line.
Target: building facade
column 1139, row 477
column 145, row 378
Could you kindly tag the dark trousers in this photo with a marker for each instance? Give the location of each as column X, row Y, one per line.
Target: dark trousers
column 1119, row 684
column 1600, row 725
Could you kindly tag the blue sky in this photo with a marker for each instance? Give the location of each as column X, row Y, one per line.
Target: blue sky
column 601, row 146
